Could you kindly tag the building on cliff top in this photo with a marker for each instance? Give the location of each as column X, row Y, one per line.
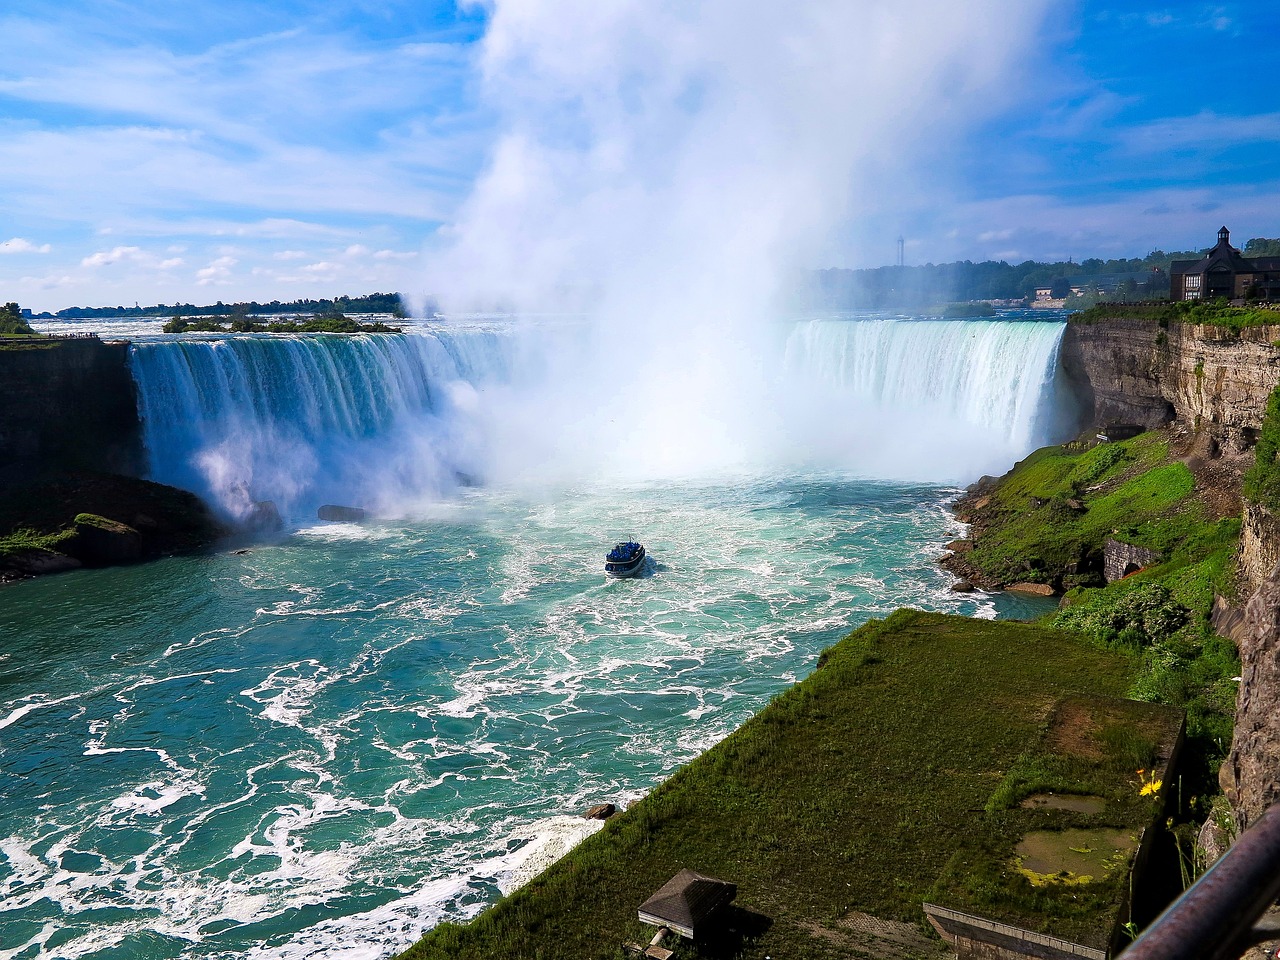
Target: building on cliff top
column 1224, row 272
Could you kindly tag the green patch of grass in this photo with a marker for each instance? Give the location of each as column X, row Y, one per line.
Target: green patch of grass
column 1134, row 492
column 1130, row 490
column 1217, row 313
column 1262, row 482
column 25, row 540
column 851, row 791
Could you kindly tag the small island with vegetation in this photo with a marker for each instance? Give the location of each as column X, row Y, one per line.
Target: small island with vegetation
column 244, row 323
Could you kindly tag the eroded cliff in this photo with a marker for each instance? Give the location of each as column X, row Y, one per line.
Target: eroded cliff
column 1212, row 379
column 69, row 404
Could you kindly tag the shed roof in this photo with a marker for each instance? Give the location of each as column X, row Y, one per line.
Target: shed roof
column 686, row 900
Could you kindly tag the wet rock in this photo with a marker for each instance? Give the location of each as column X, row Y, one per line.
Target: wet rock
column 35, row 563
column 960, row 546
column 962, row 586
column 1035, row 589
column 601, row 811
column 263, row 517
column 99, row 542
column 331, row 511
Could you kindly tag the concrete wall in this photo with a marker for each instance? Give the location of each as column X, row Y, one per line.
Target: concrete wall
column 976, row 938
column 1119, row 559
column 68, row 405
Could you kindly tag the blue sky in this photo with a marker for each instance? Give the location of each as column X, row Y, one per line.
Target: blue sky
column 238, row 150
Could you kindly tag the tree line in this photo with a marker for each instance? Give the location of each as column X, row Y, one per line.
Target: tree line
column 372, row 303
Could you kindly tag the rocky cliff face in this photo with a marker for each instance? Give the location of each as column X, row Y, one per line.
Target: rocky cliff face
column 1259, row 546
column 1213, row 381
column 1249, row 774
column 68, row 404
column 1210, row 378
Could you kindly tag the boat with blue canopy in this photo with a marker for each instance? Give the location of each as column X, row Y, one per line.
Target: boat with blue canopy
column 625, row 559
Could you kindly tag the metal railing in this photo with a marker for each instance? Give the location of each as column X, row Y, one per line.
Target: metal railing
column 1215, row 919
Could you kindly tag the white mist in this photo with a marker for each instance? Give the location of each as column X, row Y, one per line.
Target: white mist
column 664, row 168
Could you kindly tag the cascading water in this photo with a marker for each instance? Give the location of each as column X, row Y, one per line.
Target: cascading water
column 381, row 420
column 298, row 419
column 928, row 399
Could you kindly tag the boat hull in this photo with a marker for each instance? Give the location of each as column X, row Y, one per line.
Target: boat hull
column 627, row 568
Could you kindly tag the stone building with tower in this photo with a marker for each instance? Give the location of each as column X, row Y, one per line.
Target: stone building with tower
column 1225, row 272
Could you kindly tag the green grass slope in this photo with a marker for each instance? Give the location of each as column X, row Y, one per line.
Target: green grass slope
column 1216, row 313
column 1047, row 520
column 852, row 791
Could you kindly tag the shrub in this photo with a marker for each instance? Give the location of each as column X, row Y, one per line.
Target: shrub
column 1138, row 617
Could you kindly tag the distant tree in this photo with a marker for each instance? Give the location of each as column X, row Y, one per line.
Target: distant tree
column 12, row 322
column 1262, row 247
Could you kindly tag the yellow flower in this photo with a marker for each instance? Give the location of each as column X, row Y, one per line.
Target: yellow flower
column 1151, row 788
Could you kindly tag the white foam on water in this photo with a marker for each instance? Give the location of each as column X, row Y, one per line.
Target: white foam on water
column 343, row 531
column 155, row 795
column 34, row 702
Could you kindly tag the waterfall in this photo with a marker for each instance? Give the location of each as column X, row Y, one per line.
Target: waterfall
column 378, row 420
column 304, row 419
column 933, row 398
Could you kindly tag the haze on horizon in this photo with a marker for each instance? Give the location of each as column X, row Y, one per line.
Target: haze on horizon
column 250, row 152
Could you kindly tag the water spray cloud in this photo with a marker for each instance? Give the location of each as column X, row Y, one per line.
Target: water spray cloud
column 666, row 167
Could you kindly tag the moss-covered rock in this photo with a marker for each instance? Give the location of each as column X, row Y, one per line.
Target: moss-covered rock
column 63, row 521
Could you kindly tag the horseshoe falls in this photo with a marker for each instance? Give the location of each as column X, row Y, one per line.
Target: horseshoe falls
column 325, row 745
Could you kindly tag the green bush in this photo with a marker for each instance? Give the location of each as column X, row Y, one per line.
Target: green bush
column 13, row 323
column 1139, row 617
column 1262, row 482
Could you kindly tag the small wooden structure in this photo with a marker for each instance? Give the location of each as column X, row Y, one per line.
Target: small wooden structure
column 686, row 901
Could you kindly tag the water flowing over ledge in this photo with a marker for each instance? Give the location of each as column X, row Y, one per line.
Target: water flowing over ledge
column 382, row 420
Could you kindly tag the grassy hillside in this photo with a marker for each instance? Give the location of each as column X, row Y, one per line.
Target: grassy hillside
column 1047, row 521
column 856, row 791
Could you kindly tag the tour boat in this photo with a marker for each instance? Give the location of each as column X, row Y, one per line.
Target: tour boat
column 625, row 559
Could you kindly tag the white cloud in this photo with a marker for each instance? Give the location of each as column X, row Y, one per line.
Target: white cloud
column 395, row 255
column 105, row 258
column 19, row 245
column 1205, row 130
column 289, row 255
column 217, row 272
